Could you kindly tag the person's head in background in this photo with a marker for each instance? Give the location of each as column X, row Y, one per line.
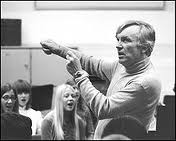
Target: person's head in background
column 65, row 105
column 9, row 101
column 23, row 91
column 80, row 103
column 116, row 137
column 72, row 83
column 136, row 40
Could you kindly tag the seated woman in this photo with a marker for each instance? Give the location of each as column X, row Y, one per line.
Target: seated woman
column 63, row 123
column 13, row 125
column 84, row 112
column 23, row 91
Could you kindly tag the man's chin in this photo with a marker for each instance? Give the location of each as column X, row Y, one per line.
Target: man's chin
column 122, row 61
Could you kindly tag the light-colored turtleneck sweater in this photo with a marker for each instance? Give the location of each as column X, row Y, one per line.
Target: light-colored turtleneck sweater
column 133, row 91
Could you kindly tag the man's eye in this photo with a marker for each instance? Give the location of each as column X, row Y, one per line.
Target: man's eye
column 126, row 40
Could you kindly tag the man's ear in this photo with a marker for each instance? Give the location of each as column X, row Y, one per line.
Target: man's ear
column 145, row 48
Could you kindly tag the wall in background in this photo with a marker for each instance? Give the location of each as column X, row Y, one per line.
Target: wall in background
column 93, row 31
column 85, row 26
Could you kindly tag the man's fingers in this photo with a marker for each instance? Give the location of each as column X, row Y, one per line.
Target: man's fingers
column 46, row 43
column 68, row 61
column 69, row 58
column 71, row 54
column 48, row 52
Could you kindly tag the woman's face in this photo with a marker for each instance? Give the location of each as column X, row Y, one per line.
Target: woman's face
column 8, row 100
column 70, row 98
column 23, row 98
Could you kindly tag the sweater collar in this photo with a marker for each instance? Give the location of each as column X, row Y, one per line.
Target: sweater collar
column 139, row 66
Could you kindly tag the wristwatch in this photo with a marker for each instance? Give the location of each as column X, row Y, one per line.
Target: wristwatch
column 79, row 76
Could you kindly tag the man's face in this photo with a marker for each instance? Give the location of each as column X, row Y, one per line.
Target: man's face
column 128, row 50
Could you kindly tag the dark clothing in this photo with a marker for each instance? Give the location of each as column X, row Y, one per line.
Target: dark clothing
column 69, row 130
column 84, row 112
column 15, row 127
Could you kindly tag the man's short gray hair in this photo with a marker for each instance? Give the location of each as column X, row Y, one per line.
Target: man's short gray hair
column 146, row 34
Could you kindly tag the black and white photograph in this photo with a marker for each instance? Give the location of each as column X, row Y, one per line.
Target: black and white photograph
column 87, row 70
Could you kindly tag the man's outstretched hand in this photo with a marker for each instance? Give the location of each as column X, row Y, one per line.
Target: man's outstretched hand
column 73, row 64
column 49, row 47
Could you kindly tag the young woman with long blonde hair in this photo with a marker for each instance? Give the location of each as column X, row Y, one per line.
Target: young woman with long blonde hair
column 63, row 123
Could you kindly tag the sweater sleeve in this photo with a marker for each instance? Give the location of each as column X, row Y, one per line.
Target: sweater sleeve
column 98, row 67
column 129, row 99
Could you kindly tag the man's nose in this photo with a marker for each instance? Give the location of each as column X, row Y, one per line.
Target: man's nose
column 119, row 46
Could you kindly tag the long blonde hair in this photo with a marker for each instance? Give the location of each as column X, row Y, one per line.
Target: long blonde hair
column 59, row 112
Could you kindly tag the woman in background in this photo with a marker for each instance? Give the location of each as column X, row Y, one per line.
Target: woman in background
column 23, row 91
column 13, row 125
column 9, row 102
column 63, row 123
column 84, row 112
